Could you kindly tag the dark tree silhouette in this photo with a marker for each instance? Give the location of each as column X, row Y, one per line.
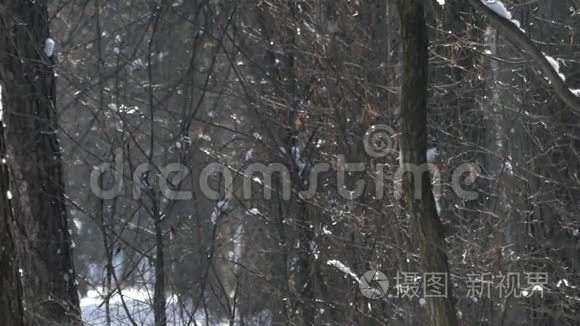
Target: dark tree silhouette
column 26, row 68
column 420, row 204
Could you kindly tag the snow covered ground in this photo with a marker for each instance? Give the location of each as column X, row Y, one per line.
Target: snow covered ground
column 138, row 304
column 139, row 307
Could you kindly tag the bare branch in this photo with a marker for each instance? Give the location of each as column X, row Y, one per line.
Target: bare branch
column 522, row 41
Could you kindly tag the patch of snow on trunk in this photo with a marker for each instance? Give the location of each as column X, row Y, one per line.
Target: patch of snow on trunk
column 49, row 45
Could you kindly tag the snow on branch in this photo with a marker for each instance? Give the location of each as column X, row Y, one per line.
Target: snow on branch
column 521, row 40
column 556, row 65
column 500, row 9
column 341, row 267
column 1, row 107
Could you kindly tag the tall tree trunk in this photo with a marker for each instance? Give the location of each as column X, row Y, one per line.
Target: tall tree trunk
column 159, row 299
column 159, row 293
column 26, row 67
column 413, row 155
column 11, row 310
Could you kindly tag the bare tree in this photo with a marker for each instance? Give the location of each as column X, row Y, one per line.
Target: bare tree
column 421, row 208
column 26, row 67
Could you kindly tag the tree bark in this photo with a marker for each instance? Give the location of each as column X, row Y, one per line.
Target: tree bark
column 44, row 240
column 421, row 207
column 11, row 310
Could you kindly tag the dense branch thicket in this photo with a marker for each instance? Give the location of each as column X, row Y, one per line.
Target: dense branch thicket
column 179, row 159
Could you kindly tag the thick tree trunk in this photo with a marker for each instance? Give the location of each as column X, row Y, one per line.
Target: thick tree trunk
column 421, row 207
column 11, row 310
column 27, row 71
